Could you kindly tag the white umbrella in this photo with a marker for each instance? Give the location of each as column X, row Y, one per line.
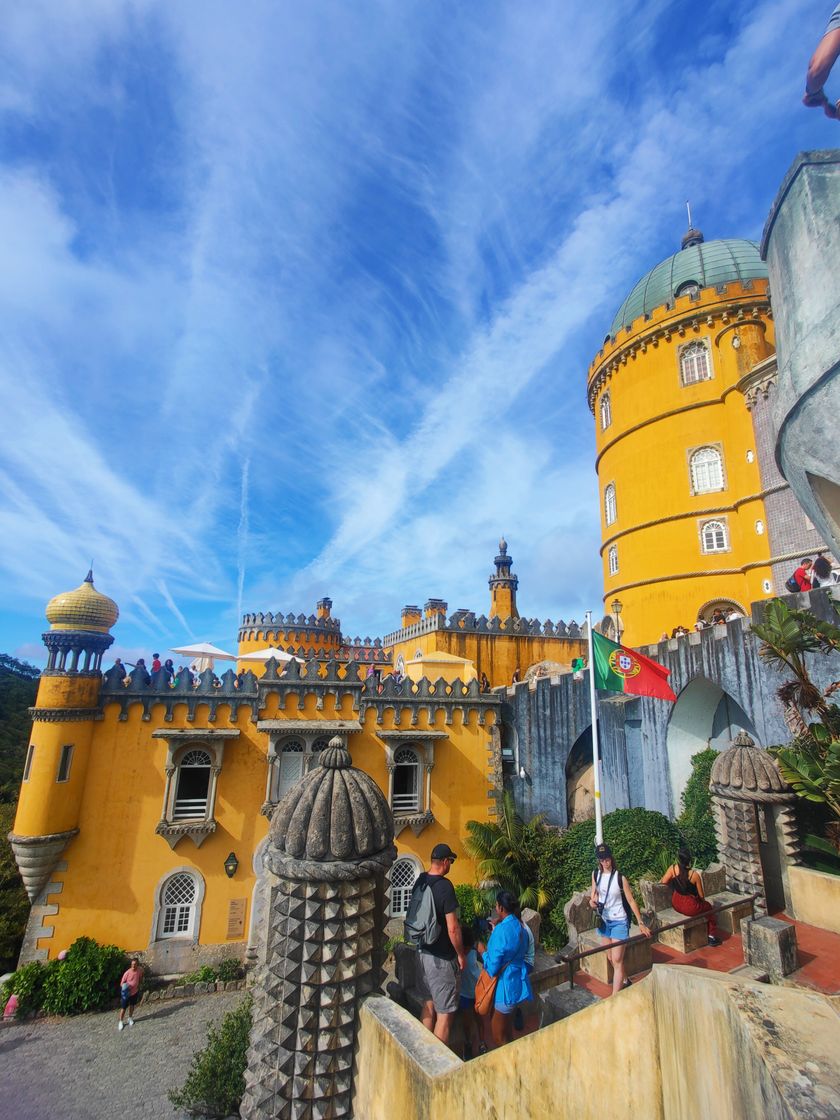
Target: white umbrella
column 204, row 655
column 266, row 654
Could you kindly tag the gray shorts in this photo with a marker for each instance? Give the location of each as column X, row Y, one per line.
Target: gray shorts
column 438, row 981
column 834, row 22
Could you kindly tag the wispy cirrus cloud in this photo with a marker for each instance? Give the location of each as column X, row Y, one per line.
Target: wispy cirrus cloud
column 303, row 303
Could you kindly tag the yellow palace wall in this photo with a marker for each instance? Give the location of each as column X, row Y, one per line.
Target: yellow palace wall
column 663, row 578
column 116, row 863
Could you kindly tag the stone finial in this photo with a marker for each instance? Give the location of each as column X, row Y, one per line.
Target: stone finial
column 335, row 812
column 745, row 772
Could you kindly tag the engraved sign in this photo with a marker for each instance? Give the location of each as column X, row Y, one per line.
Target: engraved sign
column 236, row 918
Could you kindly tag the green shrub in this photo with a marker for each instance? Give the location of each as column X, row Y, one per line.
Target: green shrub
column 86, row 980
column 229, row 969
column 216, row 1080
column 636, row 836
column 472, row 903
column 28, row 985
column 207, row 974
column 696, row 822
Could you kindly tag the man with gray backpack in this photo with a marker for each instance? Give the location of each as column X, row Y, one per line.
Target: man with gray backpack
column 432, row 926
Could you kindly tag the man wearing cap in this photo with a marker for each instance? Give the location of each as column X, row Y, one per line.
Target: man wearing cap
column 440, row 964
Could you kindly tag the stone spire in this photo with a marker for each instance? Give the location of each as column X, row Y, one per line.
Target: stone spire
column 503, row 584
column 330, row 847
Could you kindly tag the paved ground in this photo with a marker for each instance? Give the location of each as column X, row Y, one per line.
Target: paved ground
column 83, row 1068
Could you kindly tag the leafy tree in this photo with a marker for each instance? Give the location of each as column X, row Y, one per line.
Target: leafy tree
column 507, row 852
column 810, row 764
column 85, row 980
column 18, row 687
column 14, row 902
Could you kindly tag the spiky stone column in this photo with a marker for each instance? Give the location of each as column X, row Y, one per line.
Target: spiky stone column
column 330, row 847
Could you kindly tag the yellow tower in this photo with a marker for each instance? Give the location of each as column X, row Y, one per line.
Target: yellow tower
column 682, row 506
column 503, row 585
column 64, row 717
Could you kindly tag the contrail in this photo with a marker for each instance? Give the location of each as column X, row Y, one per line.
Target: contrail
column 242, row 537
column 173, row 606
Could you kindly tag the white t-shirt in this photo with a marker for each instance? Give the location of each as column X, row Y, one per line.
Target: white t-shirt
column 609, row 893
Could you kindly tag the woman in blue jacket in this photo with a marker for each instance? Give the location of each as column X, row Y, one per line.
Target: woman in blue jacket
column 505, row 957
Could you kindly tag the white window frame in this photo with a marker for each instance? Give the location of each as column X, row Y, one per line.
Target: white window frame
column 612, row 559
column 605, row 409
column 192, row 809
column 691, row 372
column 65, row 763
column 407, row 758
column 190, row 928
column 398, row 903
column 610, row 504
column 716, row 526
column 422, row 746
column 179, row 746
column 705, row 467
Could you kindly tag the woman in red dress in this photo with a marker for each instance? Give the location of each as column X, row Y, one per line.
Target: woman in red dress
column 687, row 887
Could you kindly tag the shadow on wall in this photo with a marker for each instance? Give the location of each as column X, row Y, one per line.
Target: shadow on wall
column 703, row 716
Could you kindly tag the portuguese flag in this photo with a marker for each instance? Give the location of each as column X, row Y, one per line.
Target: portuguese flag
column 619, row 669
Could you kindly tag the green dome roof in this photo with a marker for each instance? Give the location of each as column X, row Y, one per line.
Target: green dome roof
column 706, row 263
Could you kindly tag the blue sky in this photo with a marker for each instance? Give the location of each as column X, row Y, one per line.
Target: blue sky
column 299, row 300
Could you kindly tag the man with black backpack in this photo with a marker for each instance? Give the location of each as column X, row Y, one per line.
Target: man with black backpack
column 432, row 926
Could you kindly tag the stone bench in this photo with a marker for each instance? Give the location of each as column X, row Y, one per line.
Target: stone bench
column 637, row 958
column 686, row 939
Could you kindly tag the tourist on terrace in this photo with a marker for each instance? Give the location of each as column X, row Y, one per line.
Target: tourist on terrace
column 718, row 617
column 824, row 57
column 118, row 670
column 472, row 1024
column 439, row 965
column 688, row 898
column 516, row 678
column 821, row 573
column 802, row 575
column 485, row 683
column 506, row 957
column 609, row 890
column 169, row 670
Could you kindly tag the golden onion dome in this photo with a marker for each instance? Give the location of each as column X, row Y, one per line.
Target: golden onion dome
column 82, row 609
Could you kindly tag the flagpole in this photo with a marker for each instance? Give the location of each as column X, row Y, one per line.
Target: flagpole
column 593, row 705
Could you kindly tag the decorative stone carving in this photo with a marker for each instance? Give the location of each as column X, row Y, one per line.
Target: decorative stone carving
column 329, row 849
column 36, row 857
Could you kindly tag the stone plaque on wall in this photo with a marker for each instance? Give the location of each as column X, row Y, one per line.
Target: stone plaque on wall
column 236, row 917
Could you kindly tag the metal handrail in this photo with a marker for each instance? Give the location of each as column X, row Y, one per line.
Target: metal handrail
column 570, row 958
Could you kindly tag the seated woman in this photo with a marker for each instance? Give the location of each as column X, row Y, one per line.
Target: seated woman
column 506, row 957
column 687, row 887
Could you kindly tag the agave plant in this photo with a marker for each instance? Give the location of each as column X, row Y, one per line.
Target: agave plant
column 506, row 852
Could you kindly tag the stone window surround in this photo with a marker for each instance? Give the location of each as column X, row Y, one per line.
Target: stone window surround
column 612, row 559
column 308, row 732
column 65, row 763
column 689, row 456
column 610, row 504
column 423, row 745
column 200, row 886
column 694, row 343
column 178, row 743
column 403, row 857
column 701, row 525
column 605, row 410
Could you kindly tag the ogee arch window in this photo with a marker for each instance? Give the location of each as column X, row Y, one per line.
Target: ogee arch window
column 612, row 557
column 606, row 411
column 406, row 795
column 178, row 906
column 403, row 877
column 610, row 508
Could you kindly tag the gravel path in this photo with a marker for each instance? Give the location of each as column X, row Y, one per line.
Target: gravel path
column 83, row 1068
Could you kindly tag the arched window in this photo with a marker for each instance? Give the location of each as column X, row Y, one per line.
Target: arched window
column 694, row 363
column 406, row 795
column 714, row 536
column 193, row 786
column 612, row 556
column 706, row 465
column 610, row 512
column 178, row 906
column 403, row 877
column 606, row 411
column 291, row 766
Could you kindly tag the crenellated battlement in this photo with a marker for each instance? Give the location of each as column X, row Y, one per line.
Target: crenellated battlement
column 466, row 622
column 318, row 678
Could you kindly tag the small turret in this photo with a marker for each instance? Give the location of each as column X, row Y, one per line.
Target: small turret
column 503, row 584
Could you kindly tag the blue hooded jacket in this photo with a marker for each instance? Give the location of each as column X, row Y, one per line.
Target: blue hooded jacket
column 508, row 945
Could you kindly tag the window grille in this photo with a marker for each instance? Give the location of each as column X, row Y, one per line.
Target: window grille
column 694, row 363
column 178, row 905
column 406, row 791
column 706, row 470
column 403, row 878
column 714, row 536
column 610, row 508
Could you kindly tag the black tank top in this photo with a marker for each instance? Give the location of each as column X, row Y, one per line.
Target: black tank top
column 684, row 886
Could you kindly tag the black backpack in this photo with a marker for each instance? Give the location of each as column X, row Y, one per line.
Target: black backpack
column 791, row 584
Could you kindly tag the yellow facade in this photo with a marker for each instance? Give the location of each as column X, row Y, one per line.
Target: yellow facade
column 683, row 536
